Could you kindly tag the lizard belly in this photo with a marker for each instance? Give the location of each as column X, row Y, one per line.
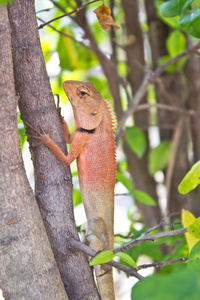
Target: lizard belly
column 96, row 171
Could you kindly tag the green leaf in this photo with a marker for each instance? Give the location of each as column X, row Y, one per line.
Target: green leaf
column 174, row 8
column 144, row 198
column 102, row 258
column 176, row 43
column 76, row 197
column 194, row 228
column 173, row 21
column 21, row 130
column 191, row 180
column 127, row 258
column 182, row 285
column 169, row 9
column 186, row 5
column 190, row 23
column 194, row 258
column 136, row 140
column 187, row 220
column 159, row 157
column 125, row 181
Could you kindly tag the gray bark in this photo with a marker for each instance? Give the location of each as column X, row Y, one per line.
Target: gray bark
column 53, row 184
column 28, row 268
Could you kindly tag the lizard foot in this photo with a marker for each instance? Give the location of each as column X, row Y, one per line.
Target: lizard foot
column 42, row 135
column 106, row 272
column 58, row 107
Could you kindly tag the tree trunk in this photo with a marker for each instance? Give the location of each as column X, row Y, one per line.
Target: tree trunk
column 28, row 268
column 53, row 185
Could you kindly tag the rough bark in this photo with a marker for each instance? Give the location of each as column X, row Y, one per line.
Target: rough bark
column 168, row 91
column 135, row 61
column 28, row 267
column 53, row 185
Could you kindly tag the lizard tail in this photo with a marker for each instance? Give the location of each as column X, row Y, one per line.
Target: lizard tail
column 105, row 282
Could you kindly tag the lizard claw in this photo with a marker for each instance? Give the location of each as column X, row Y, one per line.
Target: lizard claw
column 41, row 134
column 104, row 273
column 36, row 145
column 34, row 129
column 58, row 106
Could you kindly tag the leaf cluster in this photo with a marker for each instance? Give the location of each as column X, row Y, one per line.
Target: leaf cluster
column 188, row 13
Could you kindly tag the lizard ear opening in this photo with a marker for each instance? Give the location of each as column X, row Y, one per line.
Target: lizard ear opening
column 87, row 120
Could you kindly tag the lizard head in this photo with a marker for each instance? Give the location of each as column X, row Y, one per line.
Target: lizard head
column 86, row 101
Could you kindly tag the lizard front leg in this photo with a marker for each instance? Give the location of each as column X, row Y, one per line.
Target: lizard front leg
column 78, row 143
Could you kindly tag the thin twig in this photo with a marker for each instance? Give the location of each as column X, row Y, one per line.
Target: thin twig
column 164, row 223
column 187, row 112
column 161, row 68
column 67, row 35
column 149, row 78
column 163, row 263
column 128, row 236
column 68, row 14
column 149, row 237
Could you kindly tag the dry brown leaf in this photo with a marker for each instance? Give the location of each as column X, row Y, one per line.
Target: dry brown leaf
column 103, row 14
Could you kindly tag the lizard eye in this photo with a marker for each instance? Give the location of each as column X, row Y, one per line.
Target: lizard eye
column 83, row 93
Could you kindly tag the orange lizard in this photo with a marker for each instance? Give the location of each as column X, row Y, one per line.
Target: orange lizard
column 93, row 146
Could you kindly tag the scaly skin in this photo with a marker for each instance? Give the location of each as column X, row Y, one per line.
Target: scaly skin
column 94, row 148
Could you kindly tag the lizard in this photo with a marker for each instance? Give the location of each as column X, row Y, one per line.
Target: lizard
column 93, row 147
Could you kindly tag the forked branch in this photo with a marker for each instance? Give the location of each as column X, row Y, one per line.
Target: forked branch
column 147, row 236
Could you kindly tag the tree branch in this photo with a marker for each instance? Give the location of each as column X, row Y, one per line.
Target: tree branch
column 188, row 112
column 67, row 14
column 164, row 263
column 149, row 78
column 149, row 237
column 164, row 223
column 72, row 243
